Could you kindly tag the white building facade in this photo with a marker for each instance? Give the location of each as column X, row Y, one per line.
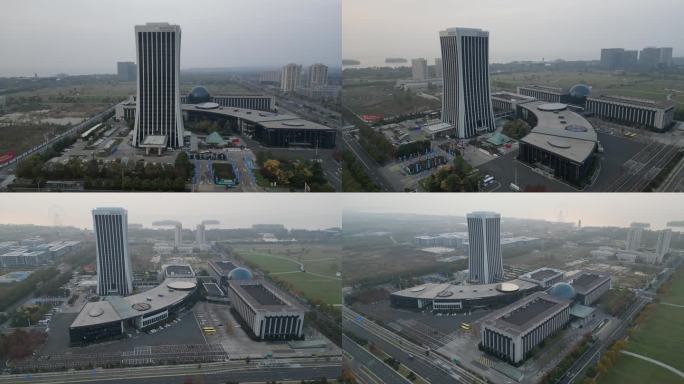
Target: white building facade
column 114, row 272
column 484, row 243
column 158, row 110
column 466, row 103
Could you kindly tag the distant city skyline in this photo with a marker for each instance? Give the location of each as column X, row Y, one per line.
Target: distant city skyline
column 594, row 209
column 529, row 30
column 86, row 37
column 298, row 211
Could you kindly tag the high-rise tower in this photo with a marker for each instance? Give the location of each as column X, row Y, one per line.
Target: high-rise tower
column 466, row 103
column 158, row 111
column 114, row 273
column 484, row 236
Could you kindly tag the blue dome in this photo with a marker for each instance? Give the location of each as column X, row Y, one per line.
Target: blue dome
column 563, row 291
column 580, row 90
column 199, row 94
column 240, row 274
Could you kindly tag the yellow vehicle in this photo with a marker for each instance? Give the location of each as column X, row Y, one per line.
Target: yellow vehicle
column 209, row 330
column 465, row 326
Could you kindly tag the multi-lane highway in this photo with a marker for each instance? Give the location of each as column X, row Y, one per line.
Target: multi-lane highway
column 641, row 169
column 425, row 362
column 369, row 164
column 368, row 367
column 290, row 370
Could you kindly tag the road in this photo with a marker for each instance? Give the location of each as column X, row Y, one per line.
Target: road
column 433, row 367
column 378, row 368
column 207, row 374
column 372, row 167
column 641, row 169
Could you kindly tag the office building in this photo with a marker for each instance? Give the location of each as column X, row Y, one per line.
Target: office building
column 654, row 57
column 125, row 70
column 590, row 286
column 658, row 115
column 507, row 102
column 484, row 243
column 544, row 277
column 663, row 244
column 114, row 273
column 199, row 235
column 267, row 312
column 618, row 58
column 419, row 69
column 512, row 332
column 561, row 144
column 290, row 77
column 466, row 103
column 439, row 73
column 318, row 75
column 158, row 117
column 633, row 242
column 543, row 93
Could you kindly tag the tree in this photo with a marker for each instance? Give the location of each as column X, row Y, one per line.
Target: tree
column 182, row 165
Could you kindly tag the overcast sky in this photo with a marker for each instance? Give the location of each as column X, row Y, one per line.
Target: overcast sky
column 594, row 209
column 233, row 210
column 519, row 30
column 86, row 36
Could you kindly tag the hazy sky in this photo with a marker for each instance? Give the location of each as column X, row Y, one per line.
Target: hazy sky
column 233, row 210
column 519, row 30
column 86, row 36
column 594, row 209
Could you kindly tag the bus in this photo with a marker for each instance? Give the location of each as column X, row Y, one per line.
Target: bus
column 465, row 326
column 209, row 330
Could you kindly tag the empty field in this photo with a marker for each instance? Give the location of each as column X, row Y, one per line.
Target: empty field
column 282, row 262
column 660, row 337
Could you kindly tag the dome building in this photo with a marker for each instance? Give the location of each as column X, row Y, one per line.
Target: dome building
column 199, row 94
column 562, row 290
column 240, row 273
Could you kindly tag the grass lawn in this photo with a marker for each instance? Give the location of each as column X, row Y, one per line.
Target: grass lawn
column 270, row 263
column 313, row 286
column 660, row 337
column 631, row 370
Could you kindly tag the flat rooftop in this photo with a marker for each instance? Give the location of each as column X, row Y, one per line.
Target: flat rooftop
column 179, row 270
column 544, row 88
column 562, row 132
column 511, row 96
column 541, row 274
column 522, row 315
column 155, row 141
column 525, row 314
column 586, row 281
column 659, row 104
column 263, row 296
column 213, row 289
column 449, row 291
column 223, row 266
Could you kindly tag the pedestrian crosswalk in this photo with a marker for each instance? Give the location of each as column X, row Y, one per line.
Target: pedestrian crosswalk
column 484, row 360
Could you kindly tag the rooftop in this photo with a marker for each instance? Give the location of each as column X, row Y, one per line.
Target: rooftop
column 263, row 296
column 223, row 266
column 114, row 308
column 542, row 274
column 463, row 292
column 510, row 96
column 585, row 281
column 561, row 131
column 661, row 104
column 523, row 315
column 544, row 88
column 155, row 141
